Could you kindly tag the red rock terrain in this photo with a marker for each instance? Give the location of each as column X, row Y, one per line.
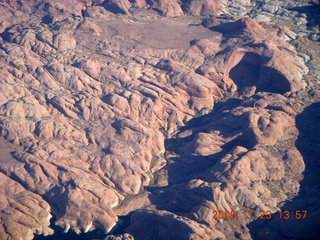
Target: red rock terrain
column 161, row 111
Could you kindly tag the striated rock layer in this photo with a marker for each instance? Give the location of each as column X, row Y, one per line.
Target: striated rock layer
column 115, row 108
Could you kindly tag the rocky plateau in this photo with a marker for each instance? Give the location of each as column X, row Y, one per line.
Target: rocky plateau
column 145, row 118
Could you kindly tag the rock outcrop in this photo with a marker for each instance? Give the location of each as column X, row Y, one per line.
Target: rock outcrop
column 107, row 107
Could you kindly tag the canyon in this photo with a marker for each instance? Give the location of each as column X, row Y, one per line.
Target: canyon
column 163, row 112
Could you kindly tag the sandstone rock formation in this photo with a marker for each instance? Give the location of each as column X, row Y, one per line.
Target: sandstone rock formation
column 203, row 7
column 159, row 110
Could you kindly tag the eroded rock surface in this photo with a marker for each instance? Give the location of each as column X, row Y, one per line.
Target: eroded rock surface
column 107, row 107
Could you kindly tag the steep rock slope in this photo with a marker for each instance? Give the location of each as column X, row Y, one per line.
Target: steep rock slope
column 92, row 102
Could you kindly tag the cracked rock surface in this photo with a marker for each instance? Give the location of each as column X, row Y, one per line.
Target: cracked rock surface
column 161, row 111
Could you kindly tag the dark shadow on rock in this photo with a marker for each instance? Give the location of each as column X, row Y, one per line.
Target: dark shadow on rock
column 185, row 167
column 251, row 71
column 246, row 72
column 313, row 15
column 70, row 235
column 112, row 7
column 117, row 126
column 271, row 80
column 107, row 99
column 57, row 198
column 47, row 19
column 153, row 225
column 229, row 29
column 76, row 64
column 122, row 224
column 188, row 166
column 219, row 107
column 300, row 224
column 179, row 199
column 6, row 36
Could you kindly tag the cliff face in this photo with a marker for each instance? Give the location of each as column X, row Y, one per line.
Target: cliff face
column 167, row 110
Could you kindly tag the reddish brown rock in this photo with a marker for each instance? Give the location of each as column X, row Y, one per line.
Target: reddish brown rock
column 96, row 114
column 168, row 225
column 23, row 213
column 117, row 6
column 260, row 63
column 203, row 7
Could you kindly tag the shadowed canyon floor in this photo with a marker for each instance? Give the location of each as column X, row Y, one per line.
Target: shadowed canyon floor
column 143, row 119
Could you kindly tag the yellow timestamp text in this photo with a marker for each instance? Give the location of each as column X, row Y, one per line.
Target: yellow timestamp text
column 262, row 214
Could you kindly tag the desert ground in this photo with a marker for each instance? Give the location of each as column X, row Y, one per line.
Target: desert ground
column 160, row 119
